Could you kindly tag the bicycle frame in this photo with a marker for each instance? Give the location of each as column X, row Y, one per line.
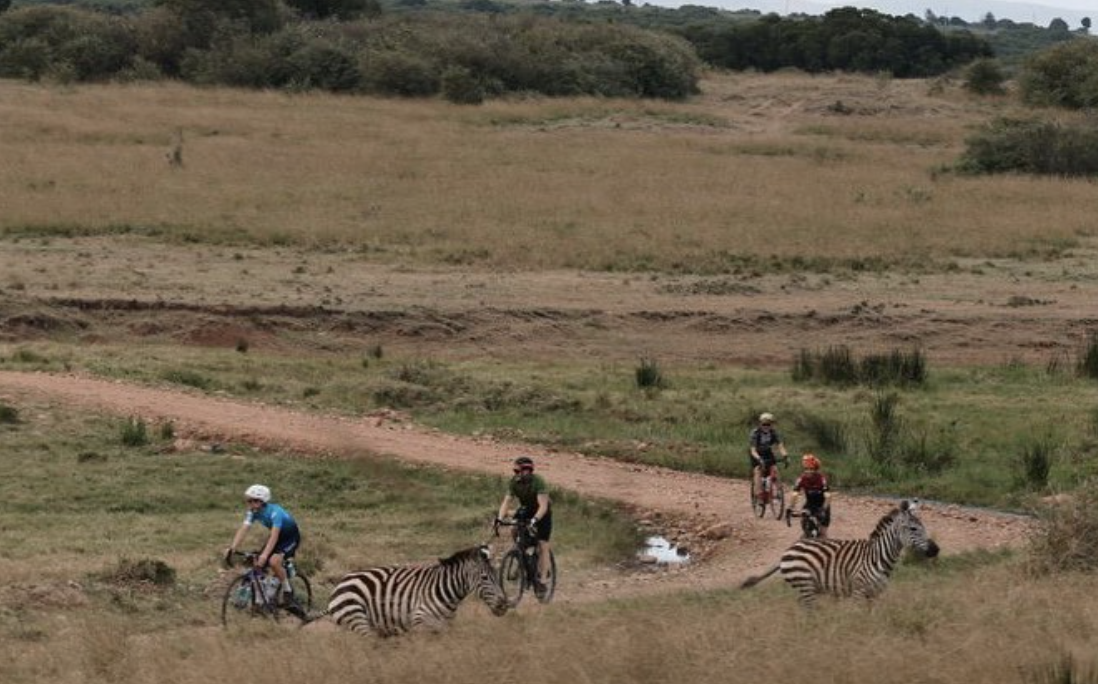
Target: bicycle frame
column 525, row 553
column 248, row 595
column 810, row 524
column 771, row 493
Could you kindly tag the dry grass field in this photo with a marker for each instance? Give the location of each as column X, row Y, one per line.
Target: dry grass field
column 769, row 214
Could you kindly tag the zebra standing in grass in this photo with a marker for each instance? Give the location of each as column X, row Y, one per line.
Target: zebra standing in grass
column 394, row 599
column 852, row 567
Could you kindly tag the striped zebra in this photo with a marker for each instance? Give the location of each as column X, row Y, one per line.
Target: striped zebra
column 394, row 599
column 852, row 567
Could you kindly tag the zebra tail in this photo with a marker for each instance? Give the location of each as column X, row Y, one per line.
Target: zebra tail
column 752, row 581
column 313, row 617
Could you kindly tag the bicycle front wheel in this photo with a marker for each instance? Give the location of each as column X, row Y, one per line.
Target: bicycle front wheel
column 240, row 604
column 512, row 577
column 777, row 500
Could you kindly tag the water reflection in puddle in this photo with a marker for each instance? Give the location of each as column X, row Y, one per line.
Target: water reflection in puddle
column 663, row 551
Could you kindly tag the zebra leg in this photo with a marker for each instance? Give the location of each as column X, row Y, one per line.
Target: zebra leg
column 357, row 619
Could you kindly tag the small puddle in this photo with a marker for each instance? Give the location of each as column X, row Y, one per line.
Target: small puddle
column 663, row 551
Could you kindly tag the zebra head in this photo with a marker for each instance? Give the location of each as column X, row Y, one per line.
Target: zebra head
column 486, row 581
column 913, row 532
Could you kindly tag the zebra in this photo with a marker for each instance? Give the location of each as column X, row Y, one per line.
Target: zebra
column 852, row 567
column 394, row 599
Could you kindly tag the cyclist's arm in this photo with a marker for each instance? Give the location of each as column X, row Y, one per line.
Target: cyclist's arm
column 543, row 506
column 504, row 506
column 237, row 538
column 272, row 539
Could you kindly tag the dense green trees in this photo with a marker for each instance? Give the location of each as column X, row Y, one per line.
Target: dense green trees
column 844, row 39
column 259, row 43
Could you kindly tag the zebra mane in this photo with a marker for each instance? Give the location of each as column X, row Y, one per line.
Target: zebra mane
column 461, row 556
column 885, row 522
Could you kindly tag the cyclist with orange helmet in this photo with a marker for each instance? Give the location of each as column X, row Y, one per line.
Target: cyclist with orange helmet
column 817, row 493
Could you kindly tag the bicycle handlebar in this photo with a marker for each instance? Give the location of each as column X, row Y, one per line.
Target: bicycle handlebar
column 247, row 556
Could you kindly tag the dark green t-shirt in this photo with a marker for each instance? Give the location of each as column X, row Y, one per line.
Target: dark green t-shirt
column 526, row 491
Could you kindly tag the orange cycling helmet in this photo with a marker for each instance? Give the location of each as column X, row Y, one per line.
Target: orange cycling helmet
column 810, row 462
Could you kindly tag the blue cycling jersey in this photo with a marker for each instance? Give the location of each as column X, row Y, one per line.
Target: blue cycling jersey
column 272, row 515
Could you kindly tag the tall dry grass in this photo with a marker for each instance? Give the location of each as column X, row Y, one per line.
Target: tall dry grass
column 757, row 166
column 988, row 626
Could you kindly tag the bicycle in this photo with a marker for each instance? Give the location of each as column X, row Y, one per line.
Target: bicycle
column 810, row 524
column 251, row 594
column 518, row 570
column 772, row 494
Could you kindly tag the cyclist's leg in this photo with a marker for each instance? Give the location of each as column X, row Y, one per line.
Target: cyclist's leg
column 285, row 547
column 545, row 532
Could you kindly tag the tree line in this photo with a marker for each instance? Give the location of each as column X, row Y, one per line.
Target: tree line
column 465, row 50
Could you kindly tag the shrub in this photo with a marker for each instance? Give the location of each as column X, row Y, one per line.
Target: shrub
column 187, row 377
column 837, row 366
column 885, row 432
column 398, row 72
column 8, row 414
column 1032, row 146
column 1087, row 365
column 135, row 433
column 985, row 77
column 324, row 66
column 1067, row 536
column 1065, row 75
column 87, row 45
column 27, row 59
column 1034, row 464
column 648, row 374
column 460, row 86
column 828, row 434
column 144, row 571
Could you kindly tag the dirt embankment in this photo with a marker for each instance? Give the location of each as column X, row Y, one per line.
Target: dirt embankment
column 707, row 514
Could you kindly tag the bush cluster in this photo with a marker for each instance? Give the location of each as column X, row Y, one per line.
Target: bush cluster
column 1033, row 146
column 1065, row 75
column 1067, row 538
column 258, row 44
column 838, row 366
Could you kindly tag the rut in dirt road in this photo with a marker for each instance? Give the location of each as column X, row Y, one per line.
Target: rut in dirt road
column 699, row 503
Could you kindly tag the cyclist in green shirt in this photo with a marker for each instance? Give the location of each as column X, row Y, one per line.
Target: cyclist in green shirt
column 531, row 494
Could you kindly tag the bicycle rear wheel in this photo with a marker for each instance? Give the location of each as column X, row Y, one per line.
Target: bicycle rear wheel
column 777, row 499
column 303, row 596
column 240, row 604
column 512, row 577
column 758, row 501
column 545, row 595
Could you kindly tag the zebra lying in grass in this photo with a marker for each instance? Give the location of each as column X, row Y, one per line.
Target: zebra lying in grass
column 852, row 567
column 394, row 599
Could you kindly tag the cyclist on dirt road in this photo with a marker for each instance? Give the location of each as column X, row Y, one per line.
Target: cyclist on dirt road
column 531, row 494
column 817, row 494
column 763, row 440
column 282, row 542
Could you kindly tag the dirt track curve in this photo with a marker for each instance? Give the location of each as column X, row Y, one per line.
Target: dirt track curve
column 688, row 502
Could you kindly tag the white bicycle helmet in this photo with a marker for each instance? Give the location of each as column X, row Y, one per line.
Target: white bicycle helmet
column 258, row 491
column 766, row 418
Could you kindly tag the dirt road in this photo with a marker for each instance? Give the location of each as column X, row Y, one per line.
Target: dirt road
column 691, row 507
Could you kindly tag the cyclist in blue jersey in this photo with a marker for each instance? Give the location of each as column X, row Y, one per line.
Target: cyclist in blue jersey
column 281, row 543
